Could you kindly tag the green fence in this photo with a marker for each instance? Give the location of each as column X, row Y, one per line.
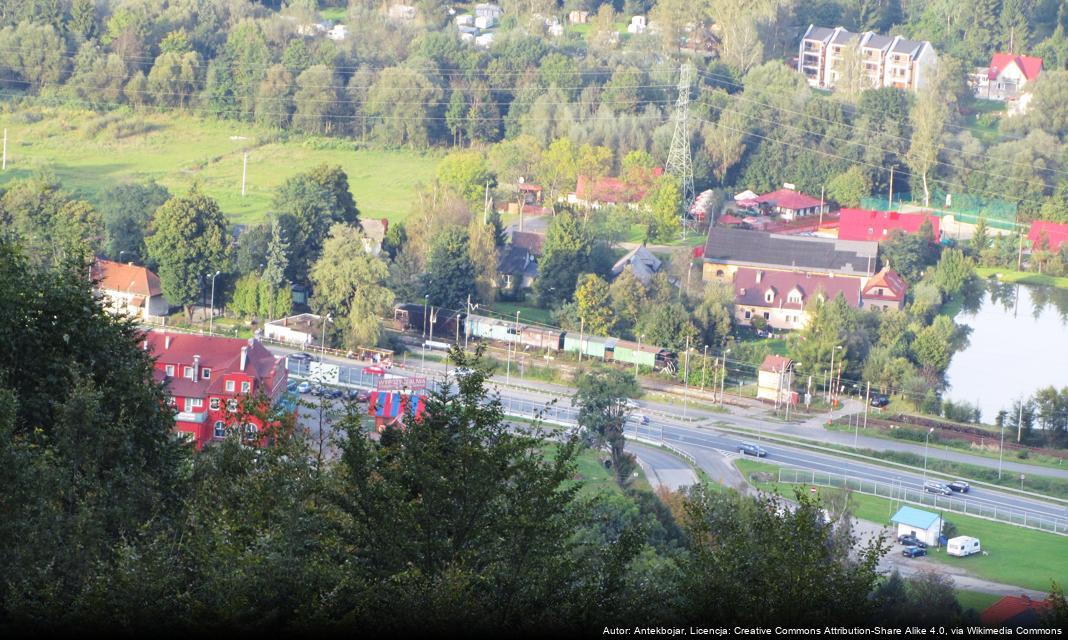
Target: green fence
column 998, row 214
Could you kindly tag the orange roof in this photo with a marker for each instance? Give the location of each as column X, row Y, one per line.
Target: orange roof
column 128, row 278
column 887, row 279
column 776, row 364
column 1015, row 609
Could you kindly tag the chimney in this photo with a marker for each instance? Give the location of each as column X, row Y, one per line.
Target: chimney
column 144, row 346
column 760, row 276
column 196, row 367
column 244, row 357
column 166, row 342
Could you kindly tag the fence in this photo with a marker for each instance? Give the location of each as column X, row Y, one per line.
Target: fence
column 895, row 491
column 998, row 214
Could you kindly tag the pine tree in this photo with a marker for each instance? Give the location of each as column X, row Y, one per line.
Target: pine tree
column 277, row 263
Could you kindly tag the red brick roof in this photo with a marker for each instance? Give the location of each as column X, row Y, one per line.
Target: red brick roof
column 1016, row 609
column 1030, row 66
column 221, row 355
column 528, row 240
column 117, row 276
column 862, row 224
column 614, row 190
column 788, row 199
column 889, row 280
column 748, row 291
column 1054, row 233
column 776, row 364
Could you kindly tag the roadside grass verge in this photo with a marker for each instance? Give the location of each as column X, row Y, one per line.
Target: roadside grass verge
column 976, row 600
column 1014, row 555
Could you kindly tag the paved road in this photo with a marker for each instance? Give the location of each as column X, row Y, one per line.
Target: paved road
column 662, row 468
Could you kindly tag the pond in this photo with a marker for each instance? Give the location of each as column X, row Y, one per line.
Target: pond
column 1018, row 344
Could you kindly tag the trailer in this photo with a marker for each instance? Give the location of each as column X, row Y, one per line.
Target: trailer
column 540, row 338
column 632, row 352
column 962, row 546
column 492, row 329
column 592, row 346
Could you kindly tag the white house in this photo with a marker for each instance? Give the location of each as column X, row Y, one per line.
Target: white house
column 487, row 10
column 485, row 22
column 775, row 379
column 926, row 526
column 888, row 61
column 465, row 20
column 127, row 289
column 1006, row 77
column 637, row 25
column 300, row 330
column 338, row 33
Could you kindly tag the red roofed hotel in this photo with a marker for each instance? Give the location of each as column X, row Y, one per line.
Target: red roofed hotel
column 207, row 376
column 862, row 224
column 1049, row 234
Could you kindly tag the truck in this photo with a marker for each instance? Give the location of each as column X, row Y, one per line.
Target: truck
column 962, row 546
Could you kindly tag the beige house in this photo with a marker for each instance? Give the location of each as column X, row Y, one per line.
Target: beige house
column 775, row 379
column 127, row 289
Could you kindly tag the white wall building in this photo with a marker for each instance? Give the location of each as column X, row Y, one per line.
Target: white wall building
column 887, row 61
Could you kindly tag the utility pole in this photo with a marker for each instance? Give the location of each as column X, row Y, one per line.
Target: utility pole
column 679, row 161
column 4, row 168
column 582, row 328
column 485, row 205
column 723, row 378
column 704, row 368
column 244, row 173
column 1001, row 449
column 891, row 203
column 686, row 380
column 1019, row 424
column 821, row 210
column 467, row 323
column 867, row 403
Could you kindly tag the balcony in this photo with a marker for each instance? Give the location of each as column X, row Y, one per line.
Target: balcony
column 191, row 416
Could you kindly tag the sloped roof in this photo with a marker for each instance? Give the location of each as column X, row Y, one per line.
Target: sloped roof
column 1055, row 233
column 1030, row 66
column 217, row 353
column 641, row 261
column 756, row 248
column 512, row 259
column 887, row 279
column 748, row 291
column 1017, row 610
column 611, row 190
column 862, row 224
column 911, row 47
column 788, row 199
column 818, row 33
column 876, row 41
column 375, row 229
column 913, row 517
column 776, row 364
column 528, row 240
column 117, row 276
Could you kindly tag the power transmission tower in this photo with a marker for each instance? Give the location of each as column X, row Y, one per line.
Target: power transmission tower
column 679, row 162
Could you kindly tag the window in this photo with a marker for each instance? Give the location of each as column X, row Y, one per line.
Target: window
column 719, row 273
column 214, row 404
column 246, row 386
column 767, row 316
column 188, row 373
column 769, row 296
column 189, row 404
column 198, row 403
column 748, row 314
column 220, row 429
column 170, row 370
column 206, row 374
column 795, row 297
column 231, row 405
column 229, row 385
column 251, row 430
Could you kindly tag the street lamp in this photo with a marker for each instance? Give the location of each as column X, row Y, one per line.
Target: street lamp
column 515, row 346
column 211, row 313
column 723, row 377
column 322, row 342
column 426, row 301
column 1001, row 449
column 830, row 374
column 704, row 368
column 640, row 338
column 926, row 439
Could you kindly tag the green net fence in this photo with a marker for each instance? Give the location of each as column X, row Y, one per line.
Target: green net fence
column 998, row 214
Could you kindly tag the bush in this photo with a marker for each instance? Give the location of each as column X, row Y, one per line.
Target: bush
column 1023, row 454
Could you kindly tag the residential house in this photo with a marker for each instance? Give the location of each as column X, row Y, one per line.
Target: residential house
column 888, row 61
column 1006, row 77
column 1051, row 235
column 338, row 33
column 465, row 20
column 1015, row 611
column 374, row 232
column 526, row 239
column 643, row 264
column 728, row 249
column 127, row 289
column 637, row 25
column 402, row 12
column 485, row 22
column 926, row 526
column 595, row 192
column 578, row 17
column 302, row 329
column 775, row 380
column 207, row 377
column 884, row 291
column 487, row 10
column 782, row 298
column 517, row 267
column 862, row 224
column 788, row 203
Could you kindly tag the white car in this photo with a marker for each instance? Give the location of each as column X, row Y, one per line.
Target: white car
column 304, row 387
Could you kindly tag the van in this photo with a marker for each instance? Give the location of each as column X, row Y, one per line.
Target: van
column 962, row 546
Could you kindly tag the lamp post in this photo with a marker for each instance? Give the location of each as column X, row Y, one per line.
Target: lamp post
column 830, row 380
column 1001, row 449
column 640, row 338
column 686, row 382
column 322, row 338
column 926, row 439
column 426, row 301
column 723, row 377
column 515, row 343
column 704, row 368
column 211, row 313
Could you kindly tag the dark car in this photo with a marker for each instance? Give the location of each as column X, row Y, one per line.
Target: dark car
column 750, row 449
column 959, row 486
column 879, row 400
column 910, row 540
column 302, row 356
column 937, row 487
column 332, row 393
column 291, row 386
column 913, row 552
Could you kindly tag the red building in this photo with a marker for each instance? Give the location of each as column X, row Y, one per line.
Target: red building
column 208, row 376
column 1012, row 611
column 885, row 291
column 862, row 224
column 1051, row 235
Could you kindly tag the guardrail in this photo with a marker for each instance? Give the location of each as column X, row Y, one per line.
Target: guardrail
column 663, row 445
column 953, row 504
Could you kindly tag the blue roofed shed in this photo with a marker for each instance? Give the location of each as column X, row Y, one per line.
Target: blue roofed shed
column 925, row 525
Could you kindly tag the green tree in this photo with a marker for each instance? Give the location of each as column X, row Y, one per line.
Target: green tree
column 189, row 239
column 465, row 173
column 565, row 254
column 715, row 313
column 849, row 187
column 668, row 325
column 934, row 345
column 928, row 117
column 401, row 102
column 664, row 203
column 351, row 284
column 127, row 210
column 628, row 299
column 594, row 308
column 274, row 104
column 245, row 300
column 307, row 205
column 909, row 254
column 450, row 273
column 601, row 396
column 316, row 100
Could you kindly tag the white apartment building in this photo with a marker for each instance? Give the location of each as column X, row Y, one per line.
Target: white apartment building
column 888, row 61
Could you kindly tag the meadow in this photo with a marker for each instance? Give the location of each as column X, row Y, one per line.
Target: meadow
column 90, row 152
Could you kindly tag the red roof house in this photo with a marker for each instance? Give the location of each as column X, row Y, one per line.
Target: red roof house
column 884, row 291
column 129, row 289
column 1049, row 234
column 609, row 190
column 782, row 297
column 862, row 224
column 206, row 378
column 1002, row 63
column 788, row 203
column 1012, row 611
column 1007, row 76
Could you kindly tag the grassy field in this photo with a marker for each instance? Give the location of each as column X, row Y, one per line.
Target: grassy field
column 527, row 313
column 89, row 153
column 594, row 477
column 1023, row 277
column 976, row 600
column 1014, row 555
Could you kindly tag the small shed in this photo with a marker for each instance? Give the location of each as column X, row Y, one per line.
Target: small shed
column 775, row 380
column 925, row 525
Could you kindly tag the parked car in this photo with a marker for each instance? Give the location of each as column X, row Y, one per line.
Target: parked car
column 879, row 400
column 332, row 393
column 302, row 356
column 642, row 418
column 750, row 449
column 913, row 552
column 304, row 387
column 910, row 540
column 959, row 486
column 937, row 487
column 291, row 386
